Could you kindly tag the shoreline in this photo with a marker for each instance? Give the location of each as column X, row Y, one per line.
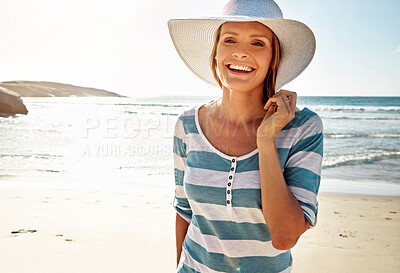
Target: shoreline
column 106, row 225
column 359, row 187
column 328, row 185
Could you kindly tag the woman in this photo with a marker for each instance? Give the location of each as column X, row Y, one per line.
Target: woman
column 247, row 166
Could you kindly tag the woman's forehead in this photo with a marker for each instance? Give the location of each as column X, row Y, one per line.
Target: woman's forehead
column 246, row 27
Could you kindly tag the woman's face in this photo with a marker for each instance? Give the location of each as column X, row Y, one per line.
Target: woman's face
column 244, row 54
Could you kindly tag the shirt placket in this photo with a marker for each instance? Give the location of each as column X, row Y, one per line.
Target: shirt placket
column 229, row 184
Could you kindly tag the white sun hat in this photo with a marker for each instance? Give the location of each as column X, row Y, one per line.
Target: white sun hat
column 194, row 38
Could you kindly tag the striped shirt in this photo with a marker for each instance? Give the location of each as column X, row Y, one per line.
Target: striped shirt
column 220, row 196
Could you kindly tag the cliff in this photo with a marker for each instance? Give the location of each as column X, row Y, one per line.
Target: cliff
column 11, row 103
column 54, row 89
column 12, row 91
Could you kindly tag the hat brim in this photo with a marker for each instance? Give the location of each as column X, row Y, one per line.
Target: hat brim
column 194, row 40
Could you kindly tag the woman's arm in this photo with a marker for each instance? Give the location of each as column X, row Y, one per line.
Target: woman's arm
column 282, row 212
column 181, row 227
column 181, row 203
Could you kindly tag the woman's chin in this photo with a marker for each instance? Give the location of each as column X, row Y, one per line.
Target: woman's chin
column 242, row 86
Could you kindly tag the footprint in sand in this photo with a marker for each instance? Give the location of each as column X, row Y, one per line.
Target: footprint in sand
column 346, row 234
column 388, row 218
column 24, row 231
column 67, row 240
column 392, row 211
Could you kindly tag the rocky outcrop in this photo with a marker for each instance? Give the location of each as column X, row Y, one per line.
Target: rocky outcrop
column 54, row 89
column 11, row 103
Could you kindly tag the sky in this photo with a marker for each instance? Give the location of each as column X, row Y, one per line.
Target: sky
column 124, row 45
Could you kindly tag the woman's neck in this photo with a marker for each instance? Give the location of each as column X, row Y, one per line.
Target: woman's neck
column 241, row 107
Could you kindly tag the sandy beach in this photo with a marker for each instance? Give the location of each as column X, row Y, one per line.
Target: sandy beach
column 52, row 224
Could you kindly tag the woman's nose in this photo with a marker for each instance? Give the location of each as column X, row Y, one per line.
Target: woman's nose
column 240, row 52
column 240, row 55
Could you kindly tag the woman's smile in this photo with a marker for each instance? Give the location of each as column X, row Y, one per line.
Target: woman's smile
column 240, row 68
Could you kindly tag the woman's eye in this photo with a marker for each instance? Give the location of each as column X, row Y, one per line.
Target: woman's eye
column 258, row 44
column 229, row 41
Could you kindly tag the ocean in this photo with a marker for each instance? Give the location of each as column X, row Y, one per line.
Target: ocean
column 112, row 137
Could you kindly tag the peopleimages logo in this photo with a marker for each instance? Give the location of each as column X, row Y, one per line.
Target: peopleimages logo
column 116, row 150
column 127, row 127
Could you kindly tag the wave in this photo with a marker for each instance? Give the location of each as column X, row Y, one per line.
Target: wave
column 359, row 159
column 362, row 135
column 351, row 108
column 169, row 114
column 36, row 156
column 153, row 104
column 362, row 118
column 4, row 115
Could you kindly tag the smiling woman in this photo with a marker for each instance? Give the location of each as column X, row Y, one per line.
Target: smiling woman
column 247, row 165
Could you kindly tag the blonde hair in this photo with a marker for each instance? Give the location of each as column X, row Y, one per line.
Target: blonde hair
column 270, row 79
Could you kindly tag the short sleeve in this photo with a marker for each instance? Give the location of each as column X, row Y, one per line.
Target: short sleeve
column 303, row 166
column 181, row 203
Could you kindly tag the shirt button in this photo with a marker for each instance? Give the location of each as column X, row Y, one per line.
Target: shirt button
column 230, row 177
column 233, row 160
column 229, row 184
column 228, row 191
column 232, row 169
column 228, row 202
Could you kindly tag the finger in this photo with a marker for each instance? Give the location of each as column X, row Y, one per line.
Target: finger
column 284, row 94
column 293, row 100
column 268, row 104
column 270, row 101
column 277, row 101
column 286, row 103
column 292, row 97
column 280, row 103
column 270, row 111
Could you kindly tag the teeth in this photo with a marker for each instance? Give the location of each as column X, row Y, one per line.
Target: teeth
column 240, row 67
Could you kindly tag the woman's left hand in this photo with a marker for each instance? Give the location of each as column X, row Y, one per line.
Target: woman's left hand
column 280, row 111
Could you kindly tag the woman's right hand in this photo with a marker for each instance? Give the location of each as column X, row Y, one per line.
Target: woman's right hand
column 280, row 111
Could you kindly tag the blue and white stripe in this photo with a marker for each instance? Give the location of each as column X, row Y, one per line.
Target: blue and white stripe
column 227, row 232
